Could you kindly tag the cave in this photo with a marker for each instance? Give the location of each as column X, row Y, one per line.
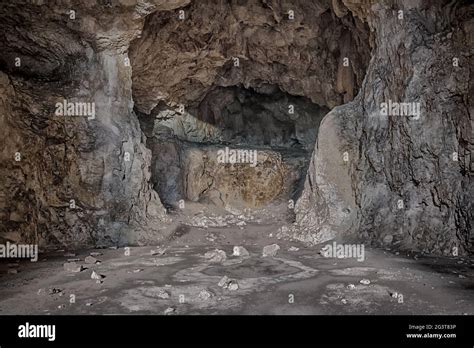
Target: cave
column 196, row 157
column 237, row 149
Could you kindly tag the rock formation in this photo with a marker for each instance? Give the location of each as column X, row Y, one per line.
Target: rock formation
column 106, row 105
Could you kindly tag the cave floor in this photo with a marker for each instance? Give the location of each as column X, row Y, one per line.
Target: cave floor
column 292, row 282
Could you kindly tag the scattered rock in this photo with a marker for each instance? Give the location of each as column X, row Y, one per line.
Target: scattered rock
column 365, row 281
column 394, row 294
column 351, row 286
column 95, row 254
column 233, row 285
column 270, row 250
column 216, row 255
column 205, row 295
column 72, row 267
column 163, row 294
column 293, row 248
column 53, row 291
column 223, row 281
column 227, row 283
column 240, row 251
column 90, row 260
column 159, row 251
column 344, row 301
column 169, row 310
column 97, row 276
column 88, row 304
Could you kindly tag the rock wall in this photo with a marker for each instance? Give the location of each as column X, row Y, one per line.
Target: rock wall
column 407, row 181
column 402, row 181
column 73, row 180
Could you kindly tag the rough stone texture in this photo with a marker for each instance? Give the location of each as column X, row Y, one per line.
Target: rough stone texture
column 394, row 158
column 186, row 62
column 71, row 157
column 180, row 61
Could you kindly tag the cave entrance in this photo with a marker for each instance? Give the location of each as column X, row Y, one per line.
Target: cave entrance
column 239, row 148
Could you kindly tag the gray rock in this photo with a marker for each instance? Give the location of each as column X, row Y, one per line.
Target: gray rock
column 72, row 267
column 216, row 255
column 270, row 250
column 90, row 260
column 240, row 251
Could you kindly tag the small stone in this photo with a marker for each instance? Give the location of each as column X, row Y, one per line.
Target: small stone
column 159, row 251
column 72, row 267
column 351, row 286
column 223, row 282
column 365, row 282
column 138, row 270
column 74, row 260
column 216, row 255
column 205, row 295
column 95, row 254
column 61, row 306
column 461, row 276
column 96, row 276
column 344, row 301
column 113, row 248
column 88, row 304
column 293, row 248
column 240, row 251
column 90, row 260
column 163, row 294
column 54, row 291
column 233, row 285
column 394, row 294
column 270, row 250
column 169, row 310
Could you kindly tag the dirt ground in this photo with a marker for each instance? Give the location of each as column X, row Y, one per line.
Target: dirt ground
column 176, row 278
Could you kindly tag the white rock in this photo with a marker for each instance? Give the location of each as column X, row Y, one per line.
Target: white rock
column 233, row 285
column 96, row 276
column 223, row 282
column 169, row 310
column 365, row 281
column 240, row 251
column 351, row 286
column 293, row 248
column 270, row 250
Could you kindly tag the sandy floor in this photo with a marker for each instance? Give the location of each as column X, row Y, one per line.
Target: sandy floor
column 183, row 281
